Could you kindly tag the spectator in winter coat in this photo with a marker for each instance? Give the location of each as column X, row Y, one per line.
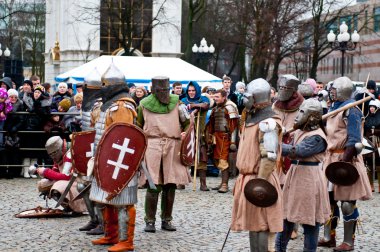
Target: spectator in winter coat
column 61, row 94
column 6, row 83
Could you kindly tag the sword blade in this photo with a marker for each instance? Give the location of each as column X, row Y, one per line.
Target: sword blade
column 63, row 195
column 148, row 177
column 82, row 193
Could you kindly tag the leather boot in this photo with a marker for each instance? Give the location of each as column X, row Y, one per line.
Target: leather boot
column 202, row 178
column 127, row 243
column 151, row 200
column 167, row 203
column 93, row 223
column 349, row 234
column 224, row 187
column 110, row 227
column 90, row 225
column 98, row 230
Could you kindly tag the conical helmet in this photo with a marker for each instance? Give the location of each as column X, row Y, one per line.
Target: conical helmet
column 113, row 76
column 93, row 79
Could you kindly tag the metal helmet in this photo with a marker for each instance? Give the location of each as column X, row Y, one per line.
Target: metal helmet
column 309, row 115
column 113, row 76
column 341, row 89
column 257, row 92
column 92, row 89
column 287, row 85
column 54, row 147
column 305, row 90
column 161, row 88
column 93, row 79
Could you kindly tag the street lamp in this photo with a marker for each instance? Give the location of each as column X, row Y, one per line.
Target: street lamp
column 7, row 53
column 342, row 41
column 203, row 52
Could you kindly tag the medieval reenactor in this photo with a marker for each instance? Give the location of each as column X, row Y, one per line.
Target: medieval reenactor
column 305, row 196
column 118, row 210
column 288, row 102
column 56, row 179
column 91, row 96
column 163, row 121
column 223, row 127
column 198, row 104
column 257, row 205
column 344, row 143
column 372, row 132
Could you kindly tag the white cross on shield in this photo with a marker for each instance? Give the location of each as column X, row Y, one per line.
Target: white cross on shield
column 119, row 163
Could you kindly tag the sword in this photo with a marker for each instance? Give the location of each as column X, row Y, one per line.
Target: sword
column 82, row 193
column 148, row 177
column 63, row 195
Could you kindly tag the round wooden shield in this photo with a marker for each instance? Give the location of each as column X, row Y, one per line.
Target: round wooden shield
column 260, row 192
column 342, row 173
column 118, row 157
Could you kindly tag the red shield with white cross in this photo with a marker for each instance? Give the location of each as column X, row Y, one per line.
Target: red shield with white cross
column 82, row 149
column 118, row 157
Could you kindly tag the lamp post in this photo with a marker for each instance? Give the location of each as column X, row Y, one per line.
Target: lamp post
column 342, row 41
column 203, row 52
column 7, row 53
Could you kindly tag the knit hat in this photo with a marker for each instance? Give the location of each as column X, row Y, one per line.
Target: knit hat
column 62, row 84
column 12, row 92
column 239, row 84
column 39, row 88
column 371, row 85
column 65, row 104
column 3, row 93
column 313, row 84
column 29, row 83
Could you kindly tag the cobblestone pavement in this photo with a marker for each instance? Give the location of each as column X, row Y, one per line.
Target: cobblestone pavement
column 202, row 220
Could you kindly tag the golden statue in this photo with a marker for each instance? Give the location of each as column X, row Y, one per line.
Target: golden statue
column 56, row 52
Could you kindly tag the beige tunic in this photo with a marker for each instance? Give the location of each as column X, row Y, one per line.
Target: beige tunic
column 305, row 194
column 164, row 146
column 336, row 128
column 287, row 120
column 246, row 216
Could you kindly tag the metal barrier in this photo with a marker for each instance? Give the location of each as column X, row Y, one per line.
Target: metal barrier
column 34, row 132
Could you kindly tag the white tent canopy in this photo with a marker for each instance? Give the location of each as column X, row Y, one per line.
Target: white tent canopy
column 140, row 70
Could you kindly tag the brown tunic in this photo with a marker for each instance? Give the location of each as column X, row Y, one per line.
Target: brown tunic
column 164, row 145
column 336, row 128
column 246, row 216
column 305, row 194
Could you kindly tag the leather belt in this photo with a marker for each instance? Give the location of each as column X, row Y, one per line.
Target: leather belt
column 305, row 163
column 337, row 151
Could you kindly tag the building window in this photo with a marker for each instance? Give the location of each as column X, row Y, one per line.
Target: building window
column 376, row 19
column 355, row 22
column 113, row 23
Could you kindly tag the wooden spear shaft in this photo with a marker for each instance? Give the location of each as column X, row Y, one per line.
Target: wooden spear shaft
column 196, row 153
column 366, row 83
column 345, row 107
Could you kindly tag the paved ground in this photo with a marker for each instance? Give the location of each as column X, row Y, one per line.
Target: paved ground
column 202, row 220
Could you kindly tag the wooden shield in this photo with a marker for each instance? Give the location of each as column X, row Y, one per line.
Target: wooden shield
column 82, row 150
column 40, row 212
column 188, row 146
column 118, row 157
